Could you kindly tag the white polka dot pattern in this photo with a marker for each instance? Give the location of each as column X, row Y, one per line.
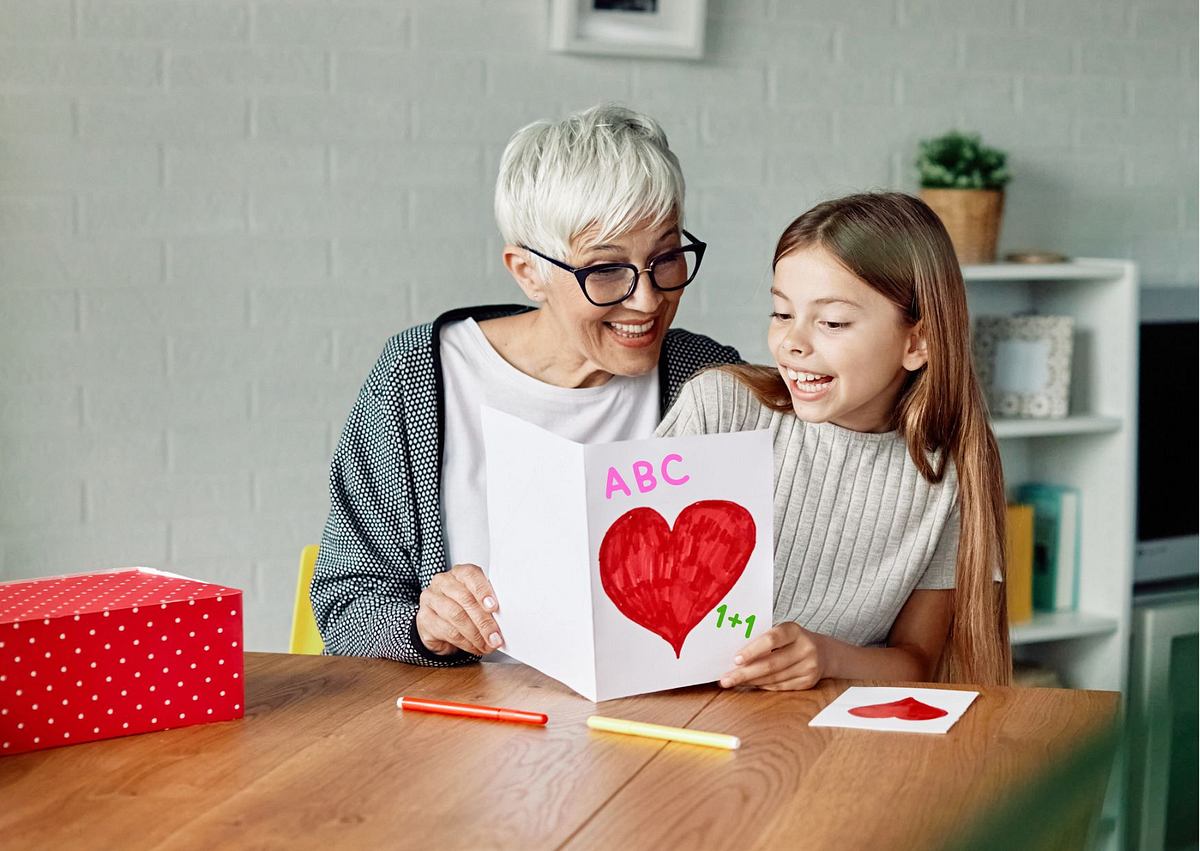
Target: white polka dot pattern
column 78, row 656
column 383, row 541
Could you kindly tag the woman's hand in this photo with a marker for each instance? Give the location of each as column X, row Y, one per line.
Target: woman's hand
column 456, row 613
column 784, row 657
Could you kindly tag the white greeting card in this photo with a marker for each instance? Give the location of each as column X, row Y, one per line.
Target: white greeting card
column 628, row 567
column 896, row 709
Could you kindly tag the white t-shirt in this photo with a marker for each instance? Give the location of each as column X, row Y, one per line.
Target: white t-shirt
column 474, row 373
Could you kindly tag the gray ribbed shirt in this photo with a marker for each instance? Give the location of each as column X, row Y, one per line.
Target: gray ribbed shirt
column 857, row 528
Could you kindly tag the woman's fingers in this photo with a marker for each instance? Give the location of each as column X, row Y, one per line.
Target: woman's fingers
column 456, row 620
column 476, row 581
column 471, row 619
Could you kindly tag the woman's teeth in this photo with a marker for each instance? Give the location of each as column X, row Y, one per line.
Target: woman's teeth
column 810, row 378
column 627, row 330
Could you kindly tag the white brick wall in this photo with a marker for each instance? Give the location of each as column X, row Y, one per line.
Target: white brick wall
column 213, row 212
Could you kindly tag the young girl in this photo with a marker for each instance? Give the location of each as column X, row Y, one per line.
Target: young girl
column 889, row 497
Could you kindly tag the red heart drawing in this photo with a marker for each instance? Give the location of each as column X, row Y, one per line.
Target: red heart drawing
column 668, row 581
column 906, row 709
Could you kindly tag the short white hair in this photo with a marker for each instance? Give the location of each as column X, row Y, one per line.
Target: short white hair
column 607, row 166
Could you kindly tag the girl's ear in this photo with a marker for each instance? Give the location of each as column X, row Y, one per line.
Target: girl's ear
column 916, row 353
column 520, row 265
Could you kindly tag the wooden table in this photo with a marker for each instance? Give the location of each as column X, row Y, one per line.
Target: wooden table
column 324, row 759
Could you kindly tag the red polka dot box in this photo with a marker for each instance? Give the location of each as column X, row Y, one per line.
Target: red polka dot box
column 96, row 655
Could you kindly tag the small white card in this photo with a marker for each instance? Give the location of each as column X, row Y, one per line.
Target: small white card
column 896, row 709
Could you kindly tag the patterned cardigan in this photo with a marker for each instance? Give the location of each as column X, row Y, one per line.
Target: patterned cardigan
column 384, row 542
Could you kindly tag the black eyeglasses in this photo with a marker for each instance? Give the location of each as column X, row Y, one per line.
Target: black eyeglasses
column 606, row 284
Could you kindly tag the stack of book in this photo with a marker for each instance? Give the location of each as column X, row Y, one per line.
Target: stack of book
column 1043, row 550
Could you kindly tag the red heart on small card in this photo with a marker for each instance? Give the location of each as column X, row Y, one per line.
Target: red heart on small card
column 669, row 580
column 906, row 709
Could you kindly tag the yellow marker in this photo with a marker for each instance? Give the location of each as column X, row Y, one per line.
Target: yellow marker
column 658, row 731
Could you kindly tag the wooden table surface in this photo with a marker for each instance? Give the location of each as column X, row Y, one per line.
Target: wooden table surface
column 324, row 759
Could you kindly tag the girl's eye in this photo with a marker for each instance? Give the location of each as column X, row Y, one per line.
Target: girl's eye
column 836, row 326
column 780, row 317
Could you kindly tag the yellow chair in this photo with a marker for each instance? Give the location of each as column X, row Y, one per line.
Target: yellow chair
column 305, row 637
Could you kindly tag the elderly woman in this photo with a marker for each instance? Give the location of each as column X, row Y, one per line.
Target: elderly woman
column 590, row 209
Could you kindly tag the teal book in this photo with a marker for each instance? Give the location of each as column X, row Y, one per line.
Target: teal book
column 1055, row 545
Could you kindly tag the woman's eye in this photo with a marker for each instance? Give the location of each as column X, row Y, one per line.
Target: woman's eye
column 780, row 317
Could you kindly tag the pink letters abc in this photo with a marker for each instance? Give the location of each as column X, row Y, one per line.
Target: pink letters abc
column 643, row 477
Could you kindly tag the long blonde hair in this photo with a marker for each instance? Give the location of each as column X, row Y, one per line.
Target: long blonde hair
column 896, row 245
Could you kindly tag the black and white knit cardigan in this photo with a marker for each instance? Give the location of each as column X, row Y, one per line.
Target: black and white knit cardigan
column 384, row 542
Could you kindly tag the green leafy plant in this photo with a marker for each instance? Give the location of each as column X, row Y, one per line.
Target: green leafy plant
column 960, row 161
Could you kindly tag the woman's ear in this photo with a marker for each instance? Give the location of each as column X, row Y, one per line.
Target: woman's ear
column 916, row 353
column 519, row 263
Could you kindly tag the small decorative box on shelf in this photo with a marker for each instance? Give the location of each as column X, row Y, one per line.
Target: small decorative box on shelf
column 116, row 652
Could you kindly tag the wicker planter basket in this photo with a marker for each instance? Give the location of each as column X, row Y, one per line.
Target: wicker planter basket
column 972, row 218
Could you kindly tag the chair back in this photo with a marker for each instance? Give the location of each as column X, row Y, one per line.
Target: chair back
column 306, row 639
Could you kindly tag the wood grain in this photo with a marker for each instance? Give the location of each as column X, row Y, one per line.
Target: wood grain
column 323, row 758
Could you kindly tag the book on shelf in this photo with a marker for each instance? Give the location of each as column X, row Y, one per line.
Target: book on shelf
column 1019, row 573
column 1055, row 545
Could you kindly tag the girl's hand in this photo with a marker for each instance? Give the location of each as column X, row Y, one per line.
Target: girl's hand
column 784, row 657
column 456, row 613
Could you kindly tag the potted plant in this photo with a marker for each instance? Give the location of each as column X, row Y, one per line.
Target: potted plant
column 963, row 181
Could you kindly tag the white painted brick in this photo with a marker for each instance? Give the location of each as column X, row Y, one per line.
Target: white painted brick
column 1019, row 54
column 306, row 400
column 231, row 571
column 950, row 89
column 1078, row 95
column 80, row 263
column 170, row 212
column 429, row 259
column 38, row 407
column 859, row 132
column 755, row 10
column 412, row 164
column 868, row 13
column 877, row 51
column 446, row 291
column 1087, row 166
column 167, row 308
column 1018, row 130
column 35, row 20
column 554, row 76
column 41, row 503
column 705, row 166
column 407, row 74
column 36, row 215
column 325, row 307
column 466, row 210
column 40, row 311
column 495, row 30
column 1090, row 18
column 1165, row 98
column 437, row 118
column 358, row 211
column 28, row 555
column 708, row 83
column 1169, row 259
column 198, row 354
column 258, row 447
column 36, row 114
column 1165, row 20
column 357, row 25
column 129, row 452
column 256, row 163
column 70, row 166
column 749, row 43
column 790, row 83
column 357, row 352
column 80, row 66
column 251, row 69
column 240, row 262
column 331, row 118
column 175, row 116
column 208, row 402
column 26, row 355
column 1163, row 173
column 112, row 499
column 303, row 491
column 184, row 20
column 1131, row 133
column 933, row 15
column 1131, row 59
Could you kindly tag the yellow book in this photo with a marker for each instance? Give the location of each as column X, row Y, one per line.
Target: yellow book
column 1020, row 563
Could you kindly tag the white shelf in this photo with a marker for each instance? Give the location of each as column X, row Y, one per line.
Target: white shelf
column 1082, row 424
column 1055, row 626
column 1072, row 270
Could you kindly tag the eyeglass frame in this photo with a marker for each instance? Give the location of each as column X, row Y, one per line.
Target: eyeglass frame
column 581, row 272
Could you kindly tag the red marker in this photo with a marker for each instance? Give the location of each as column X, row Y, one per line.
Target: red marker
column 470, row 710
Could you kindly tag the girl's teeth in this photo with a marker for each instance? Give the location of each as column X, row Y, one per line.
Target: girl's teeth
column 800, row 377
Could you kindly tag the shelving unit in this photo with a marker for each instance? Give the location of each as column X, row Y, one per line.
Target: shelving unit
column 1093, row 449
